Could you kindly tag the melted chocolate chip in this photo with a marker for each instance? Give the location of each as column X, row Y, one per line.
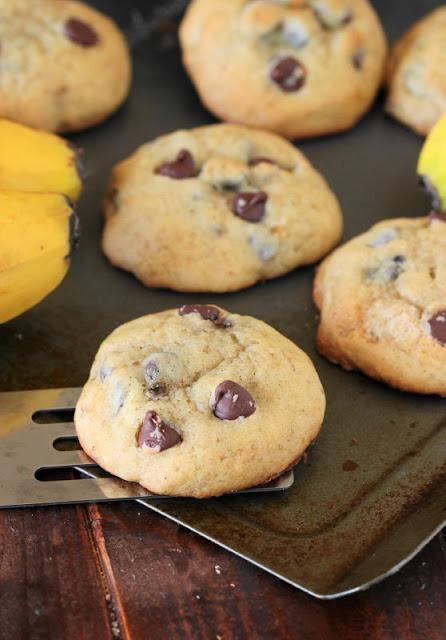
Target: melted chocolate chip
column 249, row 206
column 104, row 372
column 230, row 186
column 383, row 237
column 288, row 74
column 80, row 33
column 438, row 326
column 358, row 59
column 332, row 20
column 232, row 401
column 258, row 160
column 182, row 167
column 151, row 375
column 431, row 192
column 347, row 17
column 150, row 371
column 207, row 312
column 156, row 434
column 388, row 271
column 396, row 267
column 295, row 35
column 159, row 389
column 437, row 215
column 263, row 250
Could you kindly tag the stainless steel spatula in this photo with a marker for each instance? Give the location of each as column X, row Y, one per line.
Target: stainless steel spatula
column 41, row 462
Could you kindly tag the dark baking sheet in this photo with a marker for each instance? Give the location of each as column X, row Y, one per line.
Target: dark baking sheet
column 372, row 492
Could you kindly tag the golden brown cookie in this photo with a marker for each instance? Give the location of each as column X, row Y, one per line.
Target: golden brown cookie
column 382, row 298
column 63, row 65
column 296, row 68
column 198, row 402
column 217, row 208
column 416, row 74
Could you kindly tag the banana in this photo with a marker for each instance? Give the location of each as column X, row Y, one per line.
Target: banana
column 431, row 168
column 35, row 160
column 39, row 232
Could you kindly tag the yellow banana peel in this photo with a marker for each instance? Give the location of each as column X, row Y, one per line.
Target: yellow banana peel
column 35, row 160
column 38, row 234
column 431, row 168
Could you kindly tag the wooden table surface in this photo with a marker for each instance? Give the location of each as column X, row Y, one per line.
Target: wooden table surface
column 120, row 570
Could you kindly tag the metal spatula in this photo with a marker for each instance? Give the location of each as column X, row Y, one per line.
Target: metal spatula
column 41, row 461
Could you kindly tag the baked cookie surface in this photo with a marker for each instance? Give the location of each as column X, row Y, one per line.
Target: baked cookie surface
column 63, row 65
column 198, row 402
column 382, row 298
column 416, row 74
column 217, row 208
column 298, row 68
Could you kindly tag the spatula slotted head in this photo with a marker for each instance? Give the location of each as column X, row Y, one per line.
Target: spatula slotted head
column 42, row 463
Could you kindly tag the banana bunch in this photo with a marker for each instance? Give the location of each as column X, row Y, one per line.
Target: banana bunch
column 39, row 178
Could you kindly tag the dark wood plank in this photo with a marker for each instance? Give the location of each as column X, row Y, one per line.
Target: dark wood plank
column 170, row 583
column 410, row 605
column 50, row 583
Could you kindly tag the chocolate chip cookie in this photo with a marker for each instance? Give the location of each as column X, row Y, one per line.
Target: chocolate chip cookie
column 63, row 65
column 416, row 74
column 198, row 402
column 217, row 208
column 299, row 68
column 382, row 298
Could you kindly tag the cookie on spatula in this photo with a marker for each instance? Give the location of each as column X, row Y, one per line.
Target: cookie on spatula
column 199, row 402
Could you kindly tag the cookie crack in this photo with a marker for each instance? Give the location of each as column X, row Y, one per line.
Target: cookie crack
column 201, row 374
column 187, row 389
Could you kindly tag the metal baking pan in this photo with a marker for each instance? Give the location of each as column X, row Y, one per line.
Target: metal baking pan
column 373, row 490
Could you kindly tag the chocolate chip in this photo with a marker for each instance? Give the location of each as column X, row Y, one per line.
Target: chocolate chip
column 232, row 401
column 388, row 271
column 249, row 206
column 295, row 35
column 207, row 312
column 437, row 215
column 230, row 186
column 264, row 251
column 118, row 398
column 394, row 271
column 288, row 74
column 431, row 192
column 438, row 326
column 358, row 59
column 258, row 160
column 347, row 17
column 104, row 372
column 159, row 389
column 150, row 371
column 182, row 167
column 156, row 434
column 80, row 33
column 332, row 20
column 383, row 237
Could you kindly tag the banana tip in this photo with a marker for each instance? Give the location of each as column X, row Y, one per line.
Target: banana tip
column 431, row 191
column 74, row 233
